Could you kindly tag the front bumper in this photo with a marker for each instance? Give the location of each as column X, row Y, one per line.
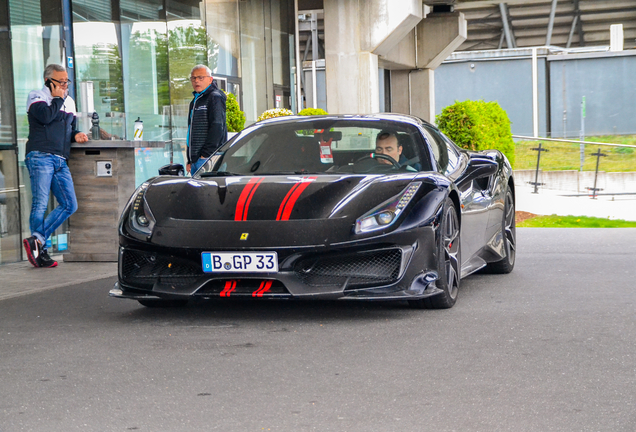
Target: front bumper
column 402, row 269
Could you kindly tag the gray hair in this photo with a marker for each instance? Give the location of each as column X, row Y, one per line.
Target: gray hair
column 202, row 66
column 48, row 71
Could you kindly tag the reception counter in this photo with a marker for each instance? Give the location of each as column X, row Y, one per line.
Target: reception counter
column 104, row 177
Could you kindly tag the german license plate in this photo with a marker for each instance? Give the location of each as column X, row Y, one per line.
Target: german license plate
column 244, row 262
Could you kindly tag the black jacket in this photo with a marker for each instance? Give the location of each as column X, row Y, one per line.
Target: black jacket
column 51, row 130
column 207, row 129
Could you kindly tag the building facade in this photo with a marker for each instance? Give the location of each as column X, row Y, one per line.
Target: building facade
column 129, row 60
column 580, row 92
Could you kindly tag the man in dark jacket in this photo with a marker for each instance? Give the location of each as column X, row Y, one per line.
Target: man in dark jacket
column 207, row 129
column 51, row 115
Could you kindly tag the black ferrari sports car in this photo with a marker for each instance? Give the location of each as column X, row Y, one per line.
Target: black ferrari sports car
column 356, row 207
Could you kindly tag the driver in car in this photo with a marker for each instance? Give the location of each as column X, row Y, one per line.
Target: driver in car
column 386, row 143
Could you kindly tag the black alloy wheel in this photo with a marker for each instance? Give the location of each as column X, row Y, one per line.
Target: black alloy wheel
column 449, row 262
column 509, row 238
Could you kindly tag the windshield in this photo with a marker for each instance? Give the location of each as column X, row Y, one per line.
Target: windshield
column 321, row 146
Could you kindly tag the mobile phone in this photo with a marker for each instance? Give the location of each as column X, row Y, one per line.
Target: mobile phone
column 48, row 83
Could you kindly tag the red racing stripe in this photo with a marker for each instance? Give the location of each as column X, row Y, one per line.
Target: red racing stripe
column 240, row 205
column 249, row 199
column 255, row 293
column 282, row 204
column 230, row 286
column 232, row 289
column 265, row 286
column 291, row 202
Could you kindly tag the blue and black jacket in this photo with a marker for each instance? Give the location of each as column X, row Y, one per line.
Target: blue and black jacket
column 207, row 128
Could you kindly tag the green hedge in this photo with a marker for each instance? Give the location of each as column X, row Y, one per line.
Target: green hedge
column 234, row 117
column 274, row 112
column 313, row 111
column 478, row 125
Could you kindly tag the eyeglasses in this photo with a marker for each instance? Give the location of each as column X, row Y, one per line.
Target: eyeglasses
column 199, row 78
column 62, row 83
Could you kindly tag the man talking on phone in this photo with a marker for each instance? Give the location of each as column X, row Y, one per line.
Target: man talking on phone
column 52, row 129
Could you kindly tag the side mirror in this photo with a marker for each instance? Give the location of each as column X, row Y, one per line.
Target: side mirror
column 480, row 168
column 172, row 170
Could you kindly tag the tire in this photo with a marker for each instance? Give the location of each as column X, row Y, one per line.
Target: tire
column 509, row 230
column 156, row 303
column 449, row 262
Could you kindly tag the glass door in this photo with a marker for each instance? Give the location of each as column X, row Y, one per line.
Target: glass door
column 10, row 240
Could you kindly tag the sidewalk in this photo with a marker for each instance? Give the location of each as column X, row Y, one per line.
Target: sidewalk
column 22, row 278
column 547, row 202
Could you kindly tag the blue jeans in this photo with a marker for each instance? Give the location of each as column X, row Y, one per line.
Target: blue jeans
column 196, row 165
column 49, row 173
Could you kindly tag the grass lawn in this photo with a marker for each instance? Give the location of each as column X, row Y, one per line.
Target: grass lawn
column 567, row 156
column 554, row 221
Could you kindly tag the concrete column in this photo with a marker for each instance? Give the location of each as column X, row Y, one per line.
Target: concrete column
column 400, row 92
column 423, row 94
column 384, row 23
column 368, row 83
column 360, row 34
column 356, row 33
column 402, row 56
column 438, row 36
column 343, row 57
column 413, row 92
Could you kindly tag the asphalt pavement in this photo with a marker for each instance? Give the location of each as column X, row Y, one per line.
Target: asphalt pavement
column 546, row 348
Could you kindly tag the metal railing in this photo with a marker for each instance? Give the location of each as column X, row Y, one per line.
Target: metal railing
column 579, row 168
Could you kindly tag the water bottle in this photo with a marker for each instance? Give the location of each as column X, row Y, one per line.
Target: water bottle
column 95, row 129
column 139, row 130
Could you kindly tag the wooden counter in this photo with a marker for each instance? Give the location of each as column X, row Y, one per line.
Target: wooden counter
column 102, row 194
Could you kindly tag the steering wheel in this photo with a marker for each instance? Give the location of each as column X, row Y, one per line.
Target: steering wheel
column 380, row 156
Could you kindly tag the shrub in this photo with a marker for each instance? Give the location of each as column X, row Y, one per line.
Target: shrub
column 234, row 117
column 276, row 112
column 313, row 111
column 478, row 125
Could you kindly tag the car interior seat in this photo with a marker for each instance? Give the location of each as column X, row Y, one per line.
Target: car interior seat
column 290, row 152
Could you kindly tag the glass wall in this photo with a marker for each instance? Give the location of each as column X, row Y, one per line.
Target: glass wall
column 7, row 135
column 144, row 47
column 98, row 67
column 222, row 26
column 187, row 47
column 145, row 68
column 10, row 240
column 253, row 59
column 35, row 44
column 221, row 23
column 282, row 29
column 129, row 60
column 37, row 40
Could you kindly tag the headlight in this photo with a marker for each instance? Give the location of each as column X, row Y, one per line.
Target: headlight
column 385, row 217
column 140, row 217
column 386, row 213
column 143, row 220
